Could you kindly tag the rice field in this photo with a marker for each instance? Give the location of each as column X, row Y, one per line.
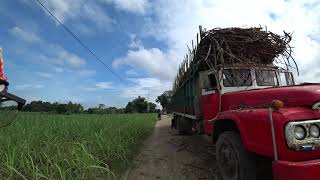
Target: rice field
column 46, row 146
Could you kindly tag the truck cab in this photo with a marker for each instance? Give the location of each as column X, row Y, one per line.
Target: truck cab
column 237, row 78
column 258, row 112
column 254, row 114
column 229, row 87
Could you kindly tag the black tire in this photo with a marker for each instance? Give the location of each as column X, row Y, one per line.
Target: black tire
column 180, row 125
column 234, row 161
column 184, row 125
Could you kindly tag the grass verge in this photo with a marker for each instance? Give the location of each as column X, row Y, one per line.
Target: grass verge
column 46, row 146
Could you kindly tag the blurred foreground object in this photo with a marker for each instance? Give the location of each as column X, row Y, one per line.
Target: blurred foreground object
column 10, row 104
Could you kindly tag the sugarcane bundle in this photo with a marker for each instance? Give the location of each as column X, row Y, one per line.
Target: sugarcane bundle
column 233, row 46
column 242, row 46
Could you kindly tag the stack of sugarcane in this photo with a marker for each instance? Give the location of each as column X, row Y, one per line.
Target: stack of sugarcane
column 242, row 45
column 231, row 46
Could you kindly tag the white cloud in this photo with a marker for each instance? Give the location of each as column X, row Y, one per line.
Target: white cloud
column 131, row 72
column 75, row 10
column 90, row 89
column 63, row 9
column 135, row 43
column 87, row 73
column 177, row 23
column 80, row 72
column 59, row 56
column 70, row 58
column 133, row 6
column 44, row 74
column 25, row 35
column 54, row 54
column 144, row 86
column 28, row 86
column 94, row 13
column 58, row 69
column 104, row 85
column 156, row 62
column 37, row 86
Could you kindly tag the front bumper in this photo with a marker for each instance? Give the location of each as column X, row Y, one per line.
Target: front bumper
column 305, row 170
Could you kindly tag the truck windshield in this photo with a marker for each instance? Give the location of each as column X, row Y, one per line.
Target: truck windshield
column 237, row 77
column 266, row 78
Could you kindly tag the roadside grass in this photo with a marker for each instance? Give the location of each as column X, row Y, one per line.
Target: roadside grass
column 46, row 146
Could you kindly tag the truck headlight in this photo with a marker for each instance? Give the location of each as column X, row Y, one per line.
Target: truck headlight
column 316, row 106
column 299, row 132
column 314, row 130
column 303, row 135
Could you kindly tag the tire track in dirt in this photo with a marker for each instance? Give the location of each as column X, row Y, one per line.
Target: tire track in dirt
column 167, row 155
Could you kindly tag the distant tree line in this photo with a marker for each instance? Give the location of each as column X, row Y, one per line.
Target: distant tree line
column 138, row 105
column 60, row 108
column 101, row 109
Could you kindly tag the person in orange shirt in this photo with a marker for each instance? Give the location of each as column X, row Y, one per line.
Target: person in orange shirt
column 2, row 76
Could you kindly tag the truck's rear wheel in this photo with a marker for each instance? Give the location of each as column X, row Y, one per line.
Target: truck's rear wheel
column 180, row 123
column 234, row 161
column 184, row 125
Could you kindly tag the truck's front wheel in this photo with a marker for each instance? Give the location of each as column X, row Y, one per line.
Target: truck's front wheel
column 234, row 161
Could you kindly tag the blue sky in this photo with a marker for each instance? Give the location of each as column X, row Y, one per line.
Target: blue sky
column 141, row 40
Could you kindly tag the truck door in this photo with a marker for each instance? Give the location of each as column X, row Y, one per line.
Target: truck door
column 210, row 103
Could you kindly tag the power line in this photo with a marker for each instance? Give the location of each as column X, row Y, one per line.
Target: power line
column 81, row 43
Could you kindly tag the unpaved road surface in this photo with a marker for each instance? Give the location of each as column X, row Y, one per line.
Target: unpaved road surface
column 167, row 155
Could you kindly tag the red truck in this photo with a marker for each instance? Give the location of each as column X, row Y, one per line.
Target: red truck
column 9, row 103
column 257, row 116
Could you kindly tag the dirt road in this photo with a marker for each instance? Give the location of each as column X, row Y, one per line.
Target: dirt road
column 167, row 155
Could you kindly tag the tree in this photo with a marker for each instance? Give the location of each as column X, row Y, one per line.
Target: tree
column 165, row 99
column 39, row 106
column 152, row 107
column 102, row 106
column 129, row 108
column 62, row 108
column 140, row 105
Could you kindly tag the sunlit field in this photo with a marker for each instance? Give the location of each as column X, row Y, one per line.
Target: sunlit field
column 46, row 146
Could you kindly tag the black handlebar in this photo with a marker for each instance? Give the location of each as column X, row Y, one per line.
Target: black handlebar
column 4, row 82
column 5, row 96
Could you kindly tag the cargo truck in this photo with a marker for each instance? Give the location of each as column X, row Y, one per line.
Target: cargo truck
column 253, row 110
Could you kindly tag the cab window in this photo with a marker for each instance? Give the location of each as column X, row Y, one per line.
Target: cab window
column 266, row 78
column 212, row 82
column 289, row 78
column 286, row 78
column 237, row 77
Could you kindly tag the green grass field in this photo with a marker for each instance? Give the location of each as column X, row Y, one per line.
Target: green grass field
column 45, row 146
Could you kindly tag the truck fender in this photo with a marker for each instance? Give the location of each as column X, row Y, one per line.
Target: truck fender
column 227, row 121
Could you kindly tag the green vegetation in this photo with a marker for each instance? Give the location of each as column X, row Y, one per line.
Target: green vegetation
column 81, row 146
column 165, row 99
column 138, row 105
